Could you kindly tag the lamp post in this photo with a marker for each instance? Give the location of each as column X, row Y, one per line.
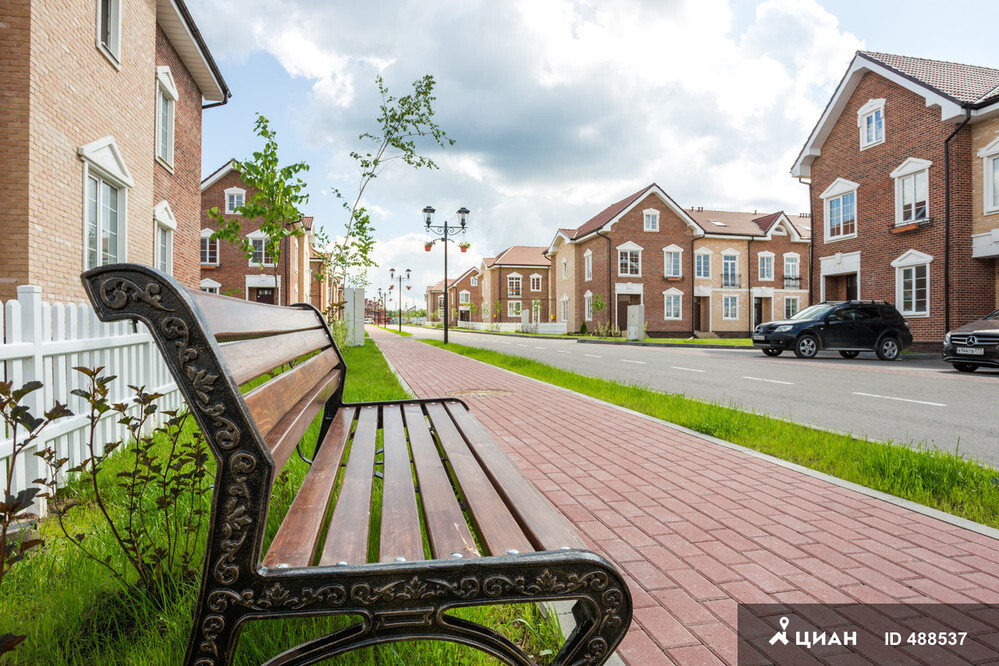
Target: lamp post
column 443, row 231
column 399, row 280
column 380, row 321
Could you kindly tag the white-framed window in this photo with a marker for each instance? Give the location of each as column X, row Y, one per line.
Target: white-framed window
column 702, row 263
column 792, row 271
column 588, row 306
column 840, row 209
column 791, row 306
column 871, row 121
column 165, row 223
column 513, row 289
column 513, row 308
column 629, row 260
column 730, row 269
column 672, row 304
column 990, row 175
column 588, row 265
column 211, row 286
column 912, row 283
column 166, row 101
column 260, row 258
column 766, row 266
column 651, row 219
column 209, row 249
column 234, row 198
column 105, row 197
column 672, row 261
column 730, row 307
column 109, row 30
column 564, row 308
column 565, row 269
column 535, row 282
column 912, row 191
column 464, row 297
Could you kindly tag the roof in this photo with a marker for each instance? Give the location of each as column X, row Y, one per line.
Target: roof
column 604, row 216
column 461, row 277
column 959, row 91
column 176, row 21
column 735, row 223
column 216, row 176
column 522, row 255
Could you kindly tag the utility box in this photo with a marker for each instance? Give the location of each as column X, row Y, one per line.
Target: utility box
column 636, row 322
column 353, row 314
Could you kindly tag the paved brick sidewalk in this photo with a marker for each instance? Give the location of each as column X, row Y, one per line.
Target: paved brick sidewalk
column 697, row 527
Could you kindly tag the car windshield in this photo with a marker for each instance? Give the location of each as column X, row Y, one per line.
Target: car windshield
column 817, row 311
column 992, row 315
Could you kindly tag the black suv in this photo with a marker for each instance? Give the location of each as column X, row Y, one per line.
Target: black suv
column 847, row 327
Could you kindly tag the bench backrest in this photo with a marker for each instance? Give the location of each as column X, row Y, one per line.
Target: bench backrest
column 212, row 345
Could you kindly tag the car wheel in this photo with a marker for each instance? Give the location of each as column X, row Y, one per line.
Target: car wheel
column 965, row 367
column 849, row 353
column 770, row 351
column 807, row 346
column 888, row 349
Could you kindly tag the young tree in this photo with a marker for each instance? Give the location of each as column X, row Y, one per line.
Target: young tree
column 280, row 192
column 401, row 121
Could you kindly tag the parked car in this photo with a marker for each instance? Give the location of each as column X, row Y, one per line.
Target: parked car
column 974, row 345
column 847, row 327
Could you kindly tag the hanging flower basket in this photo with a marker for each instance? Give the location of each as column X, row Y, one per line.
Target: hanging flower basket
column 464, row 245
column 428, row 245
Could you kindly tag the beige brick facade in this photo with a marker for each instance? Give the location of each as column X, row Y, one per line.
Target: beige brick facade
column 63, row 93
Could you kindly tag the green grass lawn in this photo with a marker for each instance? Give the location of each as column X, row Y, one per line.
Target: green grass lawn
column 942, row 480
column 73, row 612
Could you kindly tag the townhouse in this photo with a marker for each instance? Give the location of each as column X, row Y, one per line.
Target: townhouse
column 283, row 280
column 515, row 280
column 694, row 270
column 101, row 147
column 903, row 176
column 464, row 297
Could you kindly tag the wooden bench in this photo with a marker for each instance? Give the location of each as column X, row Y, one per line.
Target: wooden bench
column 460, row 524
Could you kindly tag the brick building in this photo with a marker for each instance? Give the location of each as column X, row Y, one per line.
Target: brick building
column 465, row 297
column 226, row 270
column 515, row 279
column 101, row 146
column 693, row 270
column 903, row 175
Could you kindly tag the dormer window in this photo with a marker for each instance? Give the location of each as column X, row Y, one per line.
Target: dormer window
column 871, row 121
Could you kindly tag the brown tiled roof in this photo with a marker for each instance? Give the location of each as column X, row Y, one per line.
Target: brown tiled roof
column 522, row 255
column 727, row 222
column 767, row 221
column 488, row 261
column 969, row 84
column 606, row 215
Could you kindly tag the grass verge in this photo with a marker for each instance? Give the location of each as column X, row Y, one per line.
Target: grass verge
column 939, row 479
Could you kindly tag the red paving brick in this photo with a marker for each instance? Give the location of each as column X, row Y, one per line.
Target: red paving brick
column 732, row 526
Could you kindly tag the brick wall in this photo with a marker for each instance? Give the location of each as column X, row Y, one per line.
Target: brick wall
column 182, row 187
column 911, row 130
column 15, row 54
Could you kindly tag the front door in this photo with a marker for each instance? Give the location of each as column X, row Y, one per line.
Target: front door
column 757, row 311
column 697, row 313
column 851, row 287
column 265, row 296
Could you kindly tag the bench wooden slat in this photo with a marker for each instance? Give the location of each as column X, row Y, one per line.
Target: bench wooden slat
column 496, row 525
column 401, row 536
column 447, row 530
column 350, row 525
column 270, row 402
column 286, row 435
column 297, row 540
column 545, row 526
column 251, row 358
column 234, row 319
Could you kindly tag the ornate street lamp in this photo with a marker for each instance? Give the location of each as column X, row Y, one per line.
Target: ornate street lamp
column 443, row 231
column 399, row 280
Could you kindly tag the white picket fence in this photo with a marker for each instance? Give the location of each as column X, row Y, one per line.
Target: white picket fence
column 45, row 341
column 544, row 328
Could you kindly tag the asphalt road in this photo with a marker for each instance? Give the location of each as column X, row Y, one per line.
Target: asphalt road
column 917, row 401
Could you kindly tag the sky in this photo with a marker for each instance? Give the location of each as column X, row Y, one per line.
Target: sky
column 558, row 108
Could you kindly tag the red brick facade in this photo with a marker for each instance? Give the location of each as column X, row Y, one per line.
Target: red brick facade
column 911, row 130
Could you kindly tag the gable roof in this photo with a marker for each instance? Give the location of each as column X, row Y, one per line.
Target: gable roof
column 217, row 175
column 455, row 281
column 959, row 91
column 176, row 21
column 613, row 212
column 521, row 255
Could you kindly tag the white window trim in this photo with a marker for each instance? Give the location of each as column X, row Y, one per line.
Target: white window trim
column 110, row 51
column 797, row 307
column 988, row 154
column 164, row 219
column 736, row 298
column 653, row 215
column 760, row 256
column 166, row 90
column 464, row 297
column 209, row 285
column 838, row 188
column 911, row 259
column 261, row 236
column 629, row 247
column 474, row 281
column 910, row 167
column 513, row 308
column 588, row 265
column 565, row 269
column 564, row 309
column 233, row 190
column 538, row 277
column 103, row 158
column 588, row 306
column 670, row 250
column 207, row 233
column 702, row 252
column 509, row 292
column 872, row 106
column 667, row 295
